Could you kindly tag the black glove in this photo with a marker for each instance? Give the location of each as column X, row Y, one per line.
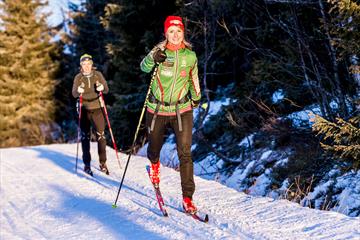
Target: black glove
column 159, row 56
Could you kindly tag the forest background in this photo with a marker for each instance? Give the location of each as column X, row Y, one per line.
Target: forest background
column 270, row 60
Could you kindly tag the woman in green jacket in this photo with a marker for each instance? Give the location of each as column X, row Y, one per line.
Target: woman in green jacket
column 174, row 93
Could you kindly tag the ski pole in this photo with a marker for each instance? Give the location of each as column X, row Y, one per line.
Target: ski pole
column 110, row 130
column 79, row 130
column 136, row 133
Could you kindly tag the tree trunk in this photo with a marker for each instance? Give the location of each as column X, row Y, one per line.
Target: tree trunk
column 335, row 67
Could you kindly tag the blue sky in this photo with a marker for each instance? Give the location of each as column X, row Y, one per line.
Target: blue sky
column 55, row 6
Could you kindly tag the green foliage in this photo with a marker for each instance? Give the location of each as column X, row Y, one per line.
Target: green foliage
column 345, row 26
column 341, row 138
column 26, row 74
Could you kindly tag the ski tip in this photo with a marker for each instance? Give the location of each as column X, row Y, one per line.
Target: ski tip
column 114, row 206
column 206, row 219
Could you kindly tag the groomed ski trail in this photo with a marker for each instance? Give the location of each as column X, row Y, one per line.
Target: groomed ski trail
column 43, row 198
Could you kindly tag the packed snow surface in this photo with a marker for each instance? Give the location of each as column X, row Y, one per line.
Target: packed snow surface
column 43, row 198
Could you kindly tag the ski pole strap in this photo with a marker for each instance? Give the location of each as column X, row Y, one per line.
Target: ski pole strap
column 154, row 117
column 179, row 118
column 152, row 99
column 178, row 115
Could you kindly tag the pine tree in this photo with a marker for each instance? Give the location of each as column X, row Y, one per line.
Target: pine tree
column 26, row 71
column 345, row 29
column 137, row 26
column 345, row 24
column 88, row 34
column 341, row 138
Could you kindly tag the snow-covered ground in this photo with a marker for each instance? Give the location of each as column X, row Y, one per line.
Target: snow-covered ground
column 43, row 198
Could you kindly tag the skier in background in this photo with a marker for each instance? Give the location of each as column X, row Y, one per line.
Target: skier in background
column 174, row 93
column 89, row 83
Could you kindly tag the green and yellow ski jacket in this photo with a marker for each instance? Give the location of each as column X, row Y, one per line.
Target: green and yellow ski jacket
column 176, row 77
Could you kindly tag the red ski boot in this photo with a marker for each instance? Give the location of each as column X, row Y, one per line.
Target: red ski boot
column 155, row 173
column 189, row 206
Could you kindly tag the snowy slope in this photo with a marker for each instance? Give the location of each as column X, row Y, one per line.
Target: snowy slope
column 42, row 198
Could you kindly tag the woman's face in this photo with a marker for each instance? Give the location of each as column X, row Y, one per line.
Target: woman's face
column 86, row 67
column 175, row 35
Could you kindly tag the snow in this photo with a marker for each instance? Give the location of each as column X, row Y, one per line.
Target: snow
column 260, row 187
column 247, row 141
column 265, row 155
column 207, row 167
column 305, row 116
column 281, row 162
column 240, row 175
column 347, row 201
column 214, row 108
column 43, row 198
column 251, row 165
column 278, row 96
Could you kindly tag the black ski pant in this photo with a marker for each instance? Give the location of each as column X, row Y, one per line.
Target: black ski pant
column 94, row 118
column 183, row 144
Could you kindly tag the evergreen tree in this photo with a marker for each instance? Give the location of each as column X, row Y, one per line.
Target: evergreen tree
column 341, row 138
column 26, row 74
column 88, row 34
column 345, row 24
column 137, row 26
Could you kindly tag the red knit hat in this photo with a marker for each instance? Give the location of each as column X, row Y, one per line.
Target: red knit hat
column 173, row 21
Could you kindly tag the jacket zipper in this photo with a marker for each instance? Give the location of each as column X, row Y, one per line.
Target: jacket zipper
column 175, row 76
column 88, row 78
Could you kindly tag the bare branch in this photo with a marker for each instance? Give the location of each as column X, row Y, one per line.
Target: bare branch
column 298, row 2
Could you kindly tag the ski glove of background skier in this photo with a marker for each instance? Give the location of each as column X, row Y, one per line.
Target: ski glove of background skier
column 159, row 56
column 80, row 89
column 99, row 87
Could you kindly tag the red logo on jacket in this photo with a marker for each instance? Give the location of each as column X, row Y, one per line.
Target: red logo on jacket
column 183, row 73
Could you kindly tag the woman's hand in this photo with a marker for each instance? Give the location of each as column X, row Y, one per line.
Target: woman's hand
column 159, row 56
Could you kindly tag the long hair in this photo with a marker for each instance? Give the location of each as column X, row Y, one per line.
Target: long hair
column 162, row 44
